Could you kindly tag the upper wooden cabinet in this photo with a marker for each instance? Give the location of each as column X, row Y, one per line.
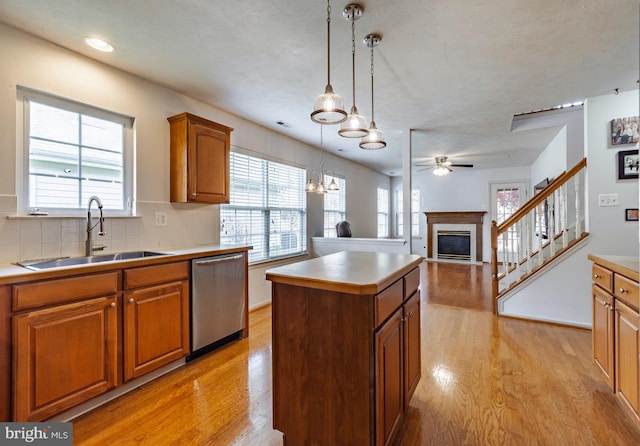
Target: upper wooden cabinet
column 199, row 160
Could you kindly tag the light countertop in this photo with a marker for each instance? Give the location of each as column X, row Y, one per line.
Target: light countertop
column 352, row 272
column 627, row 266
column 11, row 273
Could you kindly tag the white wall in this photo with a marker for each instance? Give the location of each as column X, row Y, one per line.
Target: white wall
column 564, row 294
column 35, row 63
column 464, row 190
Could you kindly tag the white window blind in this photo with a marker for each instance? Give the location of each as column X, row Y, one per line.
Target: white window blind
column 267, row 208
column 383, row 212
column 74, row 152
column 415, row 213
column 334, row 205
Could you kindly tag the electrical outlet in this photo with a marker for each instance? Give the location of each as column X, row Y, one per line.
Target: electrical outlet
column 161, row 219
column 607, row 200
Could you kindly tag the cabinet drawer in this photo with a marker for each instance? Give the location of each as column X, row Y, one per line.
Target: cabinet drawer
column 388, row 301
column 602, row 277
column 152, row 275
column 626, row 290
column 57, row 291
column 411, row 283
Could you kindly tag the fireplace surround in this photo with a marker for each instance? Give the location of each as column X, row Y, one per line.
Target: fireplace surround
column 470, row 221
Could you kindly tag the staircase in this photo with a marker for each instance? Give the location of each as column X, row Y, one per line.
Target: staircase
column 538, row 234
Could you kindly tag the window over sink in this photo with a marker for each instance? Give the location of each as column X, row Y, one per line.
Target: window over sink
column 73, row 151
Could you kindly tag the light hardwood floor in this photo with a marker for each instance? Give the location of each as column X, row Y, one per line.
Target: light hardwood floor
column 485, row 381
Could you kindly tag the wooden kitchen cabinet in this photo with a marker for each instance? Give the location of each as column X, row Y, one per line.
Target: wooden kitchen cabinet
column 345, row 346
column 616, row 328
column 412, row 353
column 627, row 351
column 156, row 317
column 389, row 382
column 603, row 334
column 199, row 155
column 64, row 354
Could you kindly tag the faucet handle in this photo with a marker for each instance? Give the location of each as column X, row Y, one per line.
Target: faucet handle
column 101, row 233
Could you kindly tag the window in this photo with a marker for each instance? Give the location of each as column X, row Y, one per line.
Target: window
column 415, row 213
column 74, row 151
column 383, row 212
column 267, row 208
column 334, row 205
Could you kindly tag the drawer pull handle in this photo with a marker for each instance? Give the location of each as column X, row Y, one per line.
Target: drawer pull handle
column 112, row 304
column 131, row 300
column 622, row 291
column 596, row 276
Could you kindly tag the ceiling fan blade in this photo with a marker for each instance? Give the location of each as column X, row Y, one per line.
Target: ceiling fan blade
column 461, row 165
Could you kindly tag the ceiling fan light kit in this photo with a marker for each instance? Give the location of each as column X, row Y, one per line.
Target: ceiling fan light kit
column 328, row 108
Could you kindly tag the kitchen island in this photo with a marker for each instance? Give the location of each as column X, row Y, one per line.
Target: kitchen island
column 346, row 347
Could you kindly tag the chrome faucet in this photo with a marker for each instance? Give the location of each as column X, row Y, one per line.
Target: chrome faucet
column 89, row 248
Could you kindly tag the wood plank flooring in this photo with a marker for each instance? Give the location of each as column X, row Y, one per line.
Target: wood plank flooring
column 485, row 381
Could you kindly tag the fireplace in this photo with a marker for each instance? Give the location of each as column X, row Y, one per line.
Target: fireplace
column 459, row 231
column 454, row 245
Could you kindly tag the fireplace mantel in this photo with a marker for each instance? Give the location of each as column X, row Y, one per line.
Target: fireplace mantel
column 455, row 217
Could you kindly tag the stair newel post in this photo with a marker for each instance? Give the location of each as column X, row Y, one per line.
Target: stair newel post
column 494, row 262
column 578, row 213
column 551, row 230
column 529, row 239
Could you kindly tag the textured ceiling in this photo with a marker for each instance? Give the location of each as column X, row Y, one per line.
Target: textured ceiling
column 454, row 71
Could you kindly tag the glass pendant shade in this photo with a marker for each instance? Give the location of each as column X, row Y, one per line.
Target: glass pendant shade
column 355, row 126
column 374, row 140
column 333, row 185
column 328, row 108
column 441, row 171
column 311, row 187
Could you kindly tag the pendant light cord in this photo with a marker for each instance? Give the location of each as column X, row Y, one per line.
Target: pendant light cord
column 328, row 42
column 372, row 114
column 353, row 60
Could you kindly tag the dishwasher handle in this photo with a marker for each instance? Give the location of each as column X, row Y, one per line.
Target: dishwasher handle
column 213, row 261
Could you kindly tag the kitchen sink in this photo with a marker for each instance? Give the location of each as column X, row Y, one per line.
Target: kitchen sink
column 37, row 265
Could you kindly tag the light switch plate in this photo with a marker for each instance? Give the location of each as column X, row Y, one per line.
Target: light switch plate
column 161, row 219
column 608, row 200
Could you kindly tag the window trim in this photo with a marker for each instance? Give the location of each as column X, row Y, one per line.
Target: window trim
column 23, row 97
column 343, row 213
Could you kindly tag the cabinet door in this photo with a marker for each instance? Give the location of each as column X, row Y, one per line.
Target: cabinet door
column 389, row 390
column 63, row 356
column 412, row 363
column 156, row 327
column 602, row 335
column 208, row 164
column 626, row 357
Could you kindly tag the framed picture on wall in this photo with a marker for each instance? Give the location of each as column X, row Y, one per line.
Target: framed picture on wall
column 631, row 214
column 625, row 130
column 628, row 164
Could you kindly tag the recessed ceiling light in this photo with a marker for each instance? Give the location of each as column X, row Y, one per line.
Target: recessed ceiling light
column 99, row 44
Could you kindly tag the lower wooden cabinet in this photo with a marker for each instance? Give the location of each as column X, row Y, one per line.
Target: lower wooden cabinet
column 63, row 356
column 389, row 382
column 156, row 327
column 412, row 356
column 627, row 351
column 602, row 334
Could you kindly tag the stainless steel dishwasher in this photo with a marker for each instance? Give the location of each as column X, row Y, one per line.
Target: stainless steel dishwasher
column 217, row 301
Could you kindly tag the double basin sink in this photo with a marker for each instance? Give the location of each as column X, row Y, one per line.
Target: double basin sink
column 38, row 265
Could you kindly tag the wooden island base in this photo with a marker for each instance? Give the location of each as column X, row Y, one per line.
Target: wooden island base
column 346, row 347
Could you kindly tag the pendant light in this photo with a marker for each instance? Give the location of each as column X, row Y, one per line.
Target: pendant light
column 355, row 126
column 328, row 108
column 374, row 139
column 319, row 187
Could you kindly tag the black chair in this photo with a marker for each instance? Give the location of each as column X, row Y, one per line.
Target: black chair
column 343, row 229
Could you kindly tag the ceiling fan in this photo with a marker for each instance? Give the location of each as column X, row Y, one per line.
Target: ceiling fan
column 442, row 166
